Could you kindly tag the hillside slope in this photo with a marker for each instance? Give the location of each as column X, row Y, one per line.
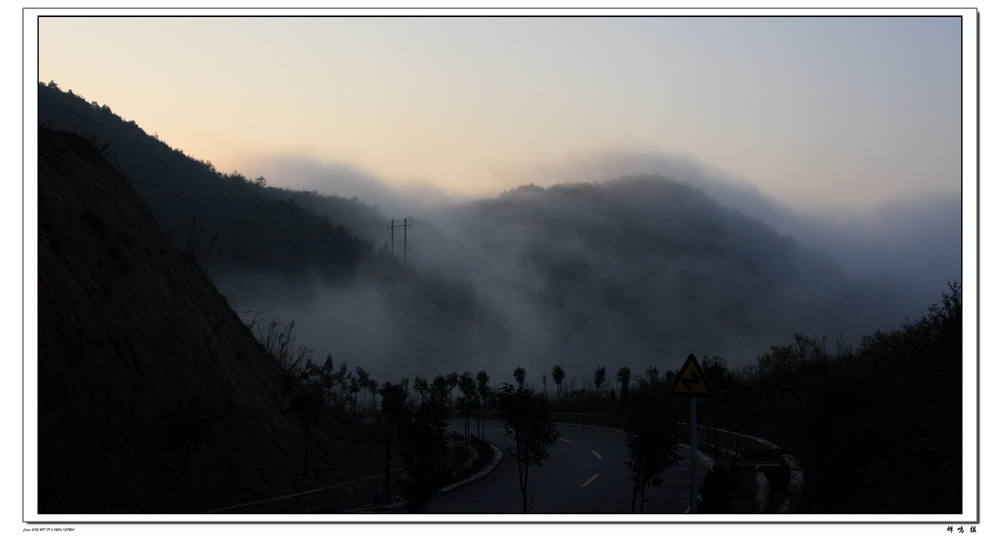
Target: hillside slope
column 153, row 396
column 643, row 270
column 227, row 220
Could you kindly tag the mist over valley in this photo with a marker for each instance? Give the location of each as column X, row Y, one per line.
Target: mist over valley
column 632, row 270
column 337, row 265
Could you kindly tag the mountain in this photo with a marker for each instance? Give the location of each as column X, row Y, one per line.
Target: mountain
column 225, row 221
column 285, row 255
column 642, row 270
column 634, row 271
column 153, row 396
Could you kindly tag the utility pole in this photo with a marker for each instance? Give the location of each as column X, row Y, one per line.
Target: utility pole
column 405, row 226
column 392, row 237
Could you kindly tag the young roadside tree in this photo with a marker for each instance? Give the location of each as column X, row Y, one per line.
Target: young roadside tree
column 307, row 407
column 422, row 387
column 394, row 414
column 353, row 387
column 599, row 376
column 440, row 390
column 321, row 377
column 558, row 374
column 519, row 375
column 483, row 388
column 373, row 390
column 652, row 436
column 651, row 380
column 468, row 402
column 425, row 458
column 624, row 378
column 524, row 414
column 363, row 378
column 339, row 385
column 453, row 379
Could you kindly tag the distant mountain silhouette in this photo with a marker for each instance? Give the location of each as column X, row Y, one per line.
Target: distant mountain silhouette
column 226, row 221
column 643, row 268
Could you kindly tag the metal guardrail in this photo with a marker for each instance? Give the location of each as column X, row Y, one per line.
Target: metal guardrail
column 738, row 445
column 360, row 491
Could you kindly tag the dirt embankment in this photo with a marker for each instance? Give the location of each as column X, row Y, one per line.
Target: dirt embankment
column 153, row 396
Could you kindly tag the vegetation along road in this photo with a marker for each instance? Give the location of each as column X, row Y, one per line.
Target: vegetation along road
column 585, row 474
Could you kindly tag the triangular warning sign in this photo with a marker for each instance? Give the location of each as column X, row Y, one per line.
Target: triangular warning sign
column 691, row 381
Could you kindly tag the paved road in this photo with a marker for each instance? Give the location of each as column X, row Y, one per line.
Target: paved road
column 585, row 474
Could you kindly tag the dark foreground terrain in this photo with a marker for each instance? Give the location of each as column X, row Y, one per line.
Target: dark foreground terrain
column 153, row 396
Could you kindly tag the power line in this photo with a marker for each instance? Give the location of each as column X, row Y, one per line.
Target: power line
column 392, row 237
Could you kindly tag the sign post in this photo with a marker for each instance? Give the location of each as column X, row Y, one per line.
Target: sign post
column 694, row 455
column 692, row 383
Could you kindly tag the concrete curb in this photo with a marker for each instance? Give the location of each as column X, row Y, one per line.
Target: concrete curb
column 763, row 492
column 497, row 457
column 490, row 467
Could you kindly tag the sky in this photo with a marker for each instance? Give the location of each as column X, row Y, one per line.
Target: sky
column 816, row 112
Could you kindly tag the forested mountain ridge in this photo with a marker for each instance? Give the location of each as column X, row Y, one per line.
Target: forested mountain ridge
column 644, row 267
column 638, row 267
column 225, row 221
column 269, row 249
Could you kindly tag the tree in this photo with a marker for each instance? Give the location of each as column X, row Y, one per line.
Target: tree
column 519, row 375
column 651, row 380
column 652, row 438
column 353, row 387
column 394, row 414
column 424, row 460
column 599, row 375
column 717, row 373
column 373, row 390
column 363, row 381
column 307, row 407
column 483, row 388
column 422, row 387
column 440, row 390
column 624, row 378
column 340, row 382
column 524, row 414
column 453, row 379
column 468, row 402
column 558, row 374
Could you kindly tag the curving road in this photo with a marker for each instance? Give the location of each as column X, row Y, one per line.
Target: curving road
column 585, row 474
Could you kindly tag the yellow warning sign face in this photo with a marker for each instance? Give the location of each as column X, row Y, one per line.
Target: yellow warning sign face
column 691, row 381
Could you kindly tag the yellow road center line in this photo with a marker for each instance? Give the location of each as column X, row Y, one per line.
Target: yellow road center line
column 565, row 439
column 594, row 452
column 587, row 483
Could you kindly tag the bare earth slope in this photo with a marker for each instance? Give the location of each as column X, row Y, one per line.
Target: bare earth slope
column 153, row 395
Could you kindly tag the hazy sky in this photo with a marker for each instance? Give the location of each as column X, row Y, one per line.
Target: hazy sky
column 812, row 110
